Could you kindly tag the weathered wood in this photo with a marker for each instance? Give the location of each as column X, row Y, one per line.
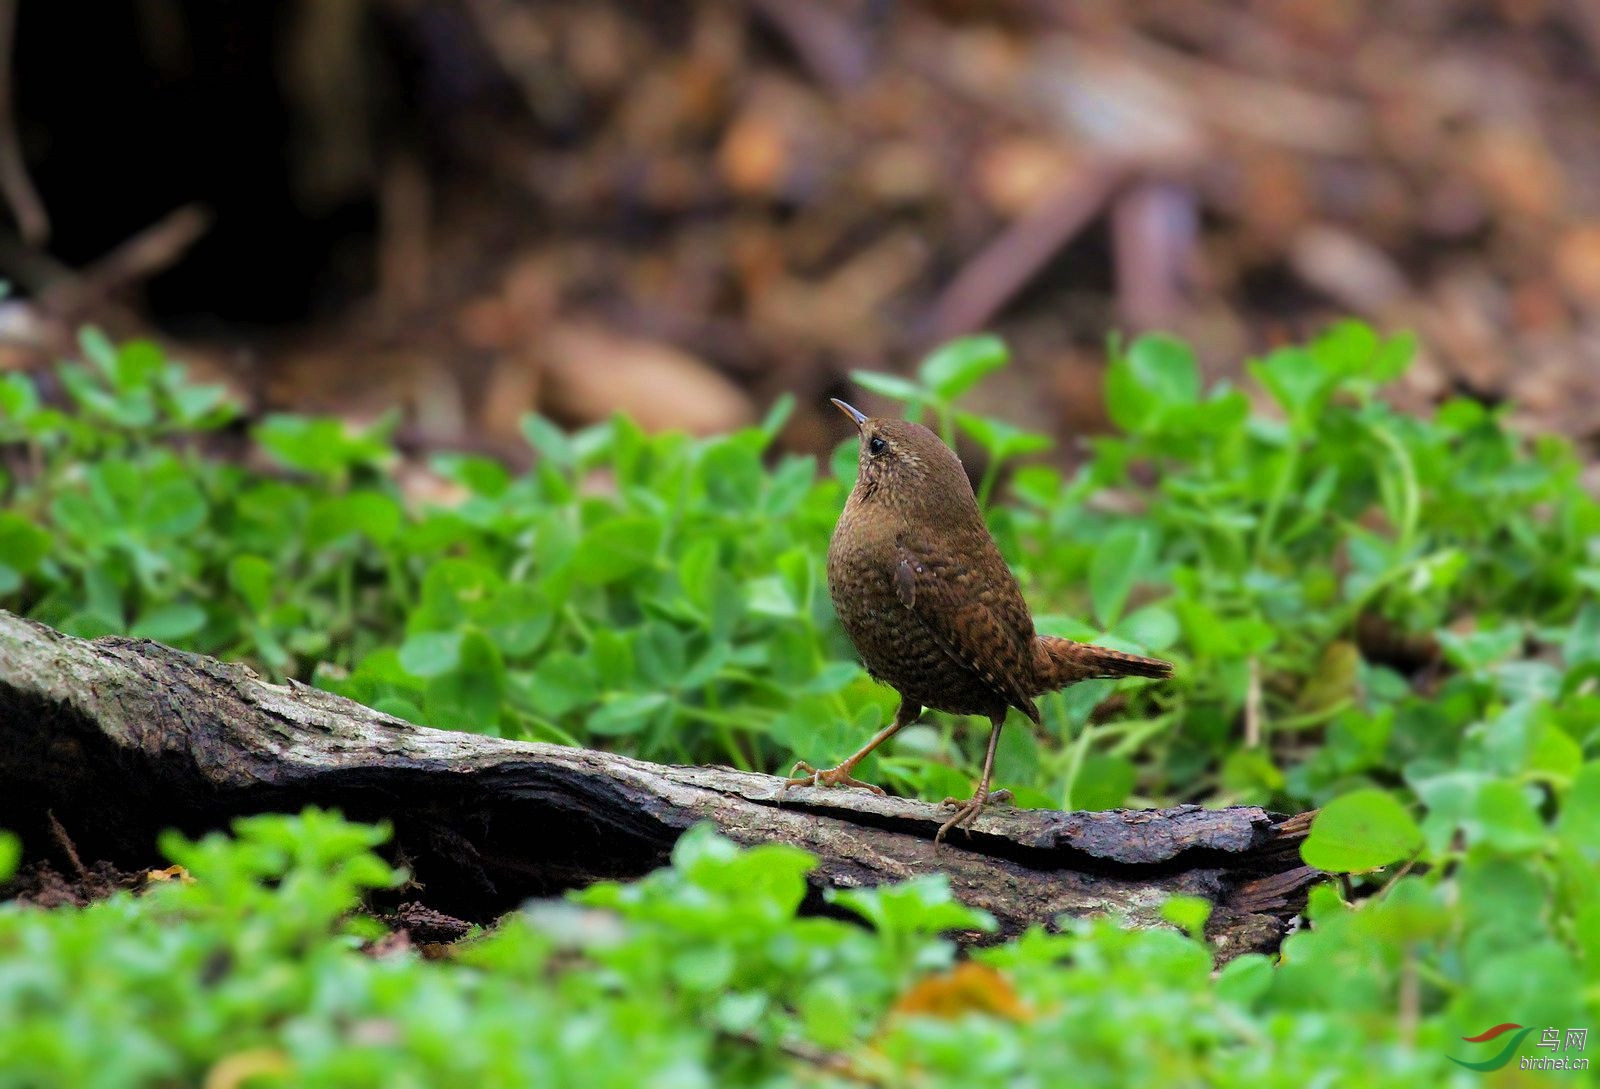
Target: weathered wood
column 121, row 738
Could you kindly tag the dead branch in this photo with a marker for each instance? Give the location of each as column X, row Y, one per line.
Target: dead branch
column 33, row 222
column 121, row 738
column 1010, row 261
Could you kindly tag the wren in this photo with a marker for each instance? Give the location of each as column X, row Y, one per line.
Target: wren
column 932, row 608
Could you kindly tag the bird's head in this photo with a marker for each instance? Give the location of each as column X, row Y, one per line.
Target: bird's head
column 904, row 463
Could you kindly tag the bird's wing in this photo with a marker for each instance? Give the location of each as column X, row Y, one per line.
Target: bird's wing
column 980, row 622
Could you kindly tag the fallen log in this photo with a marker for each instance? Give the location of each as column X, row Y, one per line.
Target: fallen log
column 115, row 739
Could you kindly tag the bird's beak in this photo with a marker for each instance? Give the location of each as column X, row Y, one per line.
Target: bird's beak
column 850, row 411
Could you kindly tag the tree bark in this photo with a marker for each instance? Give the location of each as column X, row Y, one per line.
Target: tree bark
column 116, row 739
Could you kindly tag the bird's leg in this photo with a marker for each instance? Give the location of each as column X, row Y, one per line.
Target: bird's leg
column 840, row 775
column 981, row 796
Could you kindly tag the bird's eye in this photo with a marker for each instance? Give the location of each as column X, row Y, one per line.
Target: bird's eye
column 875, row 445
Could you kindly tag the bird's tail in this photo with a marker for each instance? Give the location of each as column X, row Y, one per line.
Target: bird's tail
column 1060, row 662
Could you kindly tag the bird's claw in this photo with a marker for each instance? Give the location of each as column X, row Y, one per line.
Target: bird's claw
column 968, row 811
column 827, row 777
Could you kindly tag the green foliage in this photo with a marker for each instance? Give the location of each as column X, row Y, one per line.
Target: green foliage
column 1389, row 617
column 660, row 592
column 253, row 968
column 1363, row 830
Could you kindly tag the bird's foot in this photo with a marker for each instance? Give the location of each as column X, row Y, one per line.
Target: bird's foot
column 827, row 777
column 968, row 811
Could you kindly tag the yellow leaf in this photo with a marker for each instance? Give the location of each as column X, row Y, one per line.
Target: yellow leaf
column 1334, row 683
column 967, row 988
column 234, row 1070
column 171, row 873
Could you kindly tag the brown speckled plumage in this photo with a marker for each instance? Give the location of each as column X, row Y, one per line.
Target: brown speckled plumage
column 930, row 604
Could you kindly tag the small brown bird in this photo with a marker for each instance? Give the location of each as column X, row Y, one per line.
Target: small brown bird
column 932, row 607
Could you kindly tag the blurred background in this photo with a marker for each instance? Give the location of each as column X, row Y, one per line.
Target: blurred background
column 470, row 209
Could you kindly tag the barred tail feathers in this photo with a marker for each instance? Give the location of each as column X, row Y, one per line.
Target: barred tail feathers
column 1060, row 662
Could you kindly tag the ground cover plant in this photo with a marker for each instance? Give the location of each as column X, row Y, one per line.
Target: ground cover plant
column 1391, row 617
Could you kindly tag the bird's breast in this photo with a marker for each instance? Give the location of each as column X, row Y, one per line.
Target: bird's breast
column 895, row 645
